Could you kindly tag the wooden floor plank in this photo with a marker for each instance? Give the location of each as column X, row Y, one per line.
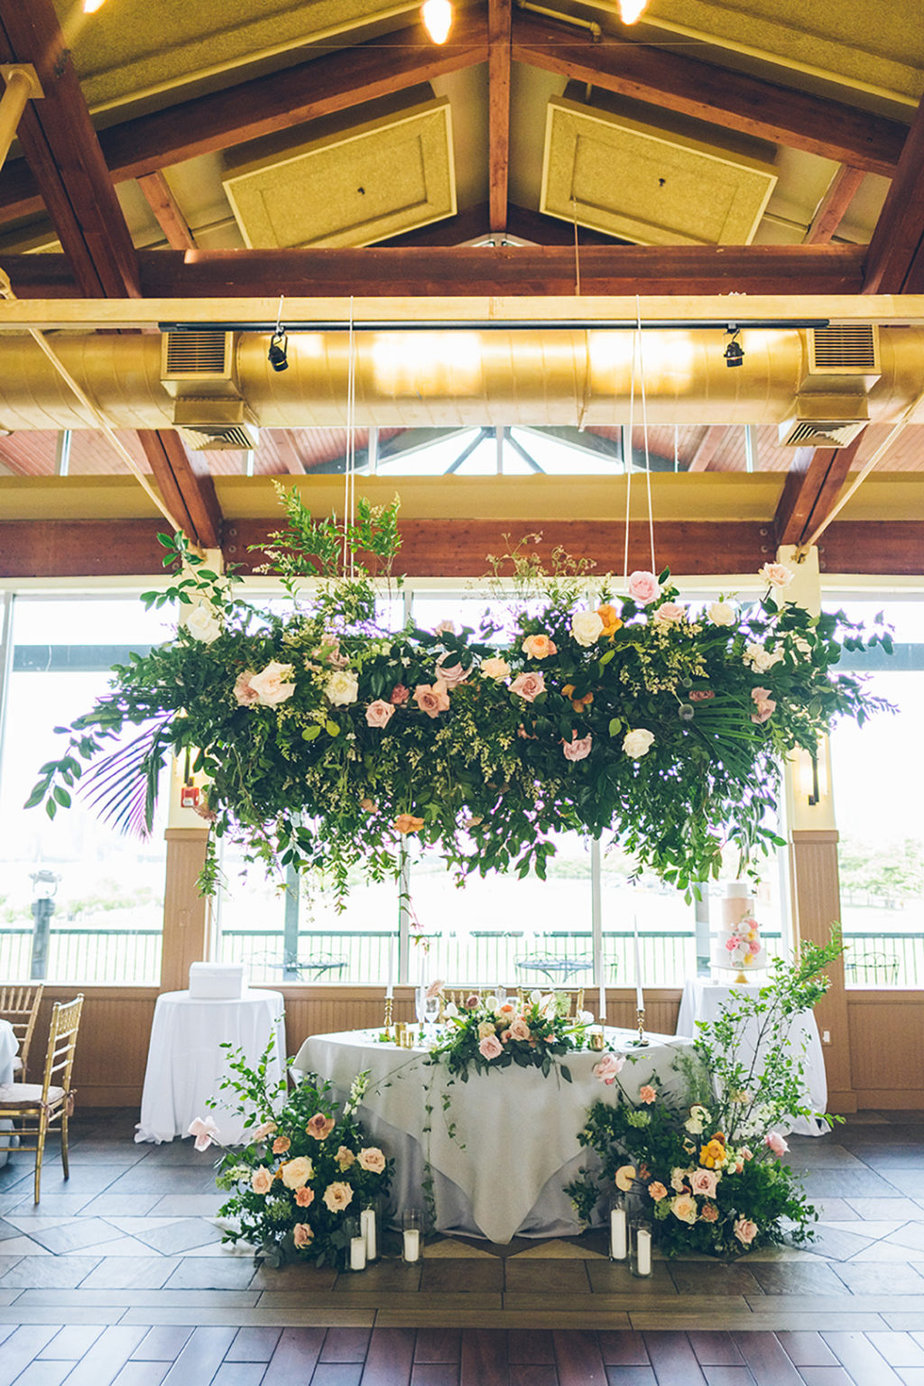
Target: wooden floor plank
column 345, row 1345
column 768, row 1362
column 533, row 1374
column 438, row 1345
column 863, row 1362
column 484, row 1357
column 673, row 1359
column 296, row 1354
column 435, row 1374
column 530, row 1347
column 578, row 1358
column 390, row 1357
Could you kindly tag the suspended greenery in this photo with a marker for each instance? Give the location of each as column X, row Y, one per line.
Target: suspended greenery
column 612, row 709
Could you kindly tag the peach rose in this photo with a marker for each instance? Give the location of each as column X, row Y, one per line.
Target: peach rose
column 683, row 1207
column 372, row 1159
column 745, row 1230
column 657, row 1190
column 451, row 674
column 379, row 713
column 432, row 698
column 304, row 1197
column 345, row 1157
column 765, row 705
column 539, row 646
column 297, row 1172
column 495, row 668
column 490, row 1047
column 337, row 1196
column 528, row 686
column 302, row 1235
column 519, row 1030
column 643, row 587
column 261, row 1181
column 243, row 691
column 647, row 1094
column 281, row 1145
column 611, row 622
column 578, row 747
column 407, row 823
column 709, row 1213
column 320, row 1126
column 271, row 686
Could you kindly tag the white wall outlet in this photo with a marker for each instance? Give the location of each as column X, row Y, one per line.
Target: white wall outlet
column 826, row 1036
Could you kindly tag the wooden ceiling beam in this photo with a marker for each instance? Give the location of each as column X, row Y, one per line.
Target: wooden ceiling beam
column 159, row 197
column 832, row 208
column 895, row 261
column 813, row 484
column 499, row 28
column 707, row 447
column 187, row 489
column 540, row 271
column 719, row 96
column 264, row 105
column 64, row 155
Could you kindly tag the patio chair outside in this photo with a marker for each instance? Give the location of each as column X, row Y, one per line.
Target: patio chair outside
column 38, row 1108
column 20, row 1006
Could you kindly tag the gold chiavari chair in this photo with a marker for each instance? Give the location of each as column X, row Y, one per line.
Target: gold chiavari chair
column 38, row 1108
column 20, row 1006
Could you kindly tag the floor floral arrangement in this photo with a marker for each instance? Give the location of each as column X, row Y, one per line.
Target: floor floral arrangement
column 604, row 706
column 706, row 1171
column 489, row 1033
column 307, row 1168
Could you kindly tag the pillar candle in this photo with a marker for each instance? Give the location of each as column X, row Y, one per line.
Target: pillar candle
column 357, row 1253
column 639, row 998
column 643, row 1251
column 602, row 1003
column 412, row 1244
column 618, row 1234
column 367, row 1227
column 390, row 989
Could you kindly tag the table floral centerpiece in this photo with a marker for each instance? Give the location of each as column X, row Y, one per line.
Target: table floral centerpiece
column 707, row 1169
column 487, row 1033
column 605, row 706
column 306, row 1167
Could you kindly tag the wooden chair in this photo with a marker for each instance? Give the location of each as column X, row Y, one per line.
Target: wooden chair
column 38, row 1108
column 20, row 1006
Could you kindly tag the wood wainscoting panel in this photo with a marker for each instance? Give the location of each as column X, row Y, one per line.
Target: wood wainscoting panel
column 112, row 1046
column 887, row 1048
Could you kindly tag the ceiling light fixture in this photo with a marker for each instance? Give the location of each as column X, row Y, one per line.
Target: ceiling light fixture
column 91, row 6
column 437, row 19
column 277, row 352
column 734, row 351
column 631, row 10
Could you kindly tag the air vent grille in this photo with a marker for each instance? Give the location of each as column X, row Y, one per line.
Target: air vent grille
column 221, row 437
column 848, row 349
column 194, row 355
column 833, row 433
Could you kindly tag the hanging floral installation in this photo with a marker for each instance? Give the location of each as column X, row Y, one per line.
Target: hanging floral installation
column 607, row 707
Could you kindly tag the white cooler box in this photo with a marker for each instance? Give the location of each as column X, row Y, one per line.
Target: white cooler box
column 216, row 981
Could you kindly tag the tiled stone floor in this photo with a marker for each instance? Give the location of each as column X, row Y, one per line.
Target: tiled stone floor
column 118, row 1278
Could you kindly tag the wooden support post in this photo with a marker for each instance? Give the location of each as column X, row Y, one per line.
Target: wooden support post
column 187, row 926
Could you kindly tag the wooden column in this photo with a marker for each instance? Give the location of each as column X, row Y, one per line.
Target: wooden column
column 813, row 872
column 187, row 924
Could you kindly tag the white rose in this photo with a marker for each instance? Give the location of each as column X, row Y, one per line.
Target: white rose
column 759, row 659
column 638, row 743
column 271, row 685
column 342, row 687
column 722, row 614
column 203, row 624
column 586, row 627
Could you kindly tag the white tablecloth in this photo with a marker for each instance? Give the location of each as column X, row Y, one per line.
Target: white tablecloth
column 186, row 1062
column 9, row 1047
column 702, row 1000
column 501, row 1145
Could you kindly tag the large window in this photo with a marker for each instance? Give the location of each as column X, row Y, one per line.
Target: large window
column 78, row 901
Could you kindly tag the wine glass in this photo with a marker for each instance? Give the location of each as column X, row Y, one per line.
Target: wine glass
column 431, row 1014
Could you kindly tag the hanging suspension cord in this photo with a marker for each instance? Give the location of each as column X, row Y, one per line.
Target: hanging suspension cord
column 577, row 255
column 349, row 469
column 641, row 363
column 627, row 455
column 6, row 291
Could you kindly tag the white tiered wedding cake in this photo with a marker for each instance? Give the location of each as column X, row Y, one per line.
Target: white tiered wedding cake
column 736, row 945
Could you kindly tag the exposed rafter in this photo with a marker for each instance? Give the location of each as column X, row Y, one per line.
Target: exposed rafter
column 832, row 208
column 812, row 486
column 163, row 204
column 895, row 263
column 717, row 95
column 499, row 17
column 190, row 495
column 707, row 447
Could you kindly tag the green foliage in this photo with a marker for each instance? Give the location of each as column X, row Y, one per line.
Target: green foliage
column 345, row 763
column 541, row 1033
column 700, row 1166
column 305, row 1170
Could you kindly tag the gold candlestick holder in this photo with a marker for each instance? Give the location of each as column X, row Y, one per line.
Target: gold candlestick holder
column 389, row 1007
column 641, row 1042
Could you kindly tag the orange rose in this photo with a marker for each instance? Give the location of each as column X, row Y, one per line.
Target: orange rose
column 539, row 646
column 281, row 1145
column 406, row 823
column 304, row 1197
column 611, row 621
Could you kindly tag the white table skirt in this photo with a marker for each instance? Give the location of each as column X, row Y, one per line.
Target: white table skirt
column 501, row 1146
column 703, row 999
column 186, row 1062
column 9, row 1047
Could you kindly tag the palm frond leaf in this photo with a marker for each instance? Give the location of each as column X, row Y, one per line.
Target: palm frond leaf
column 122, row 787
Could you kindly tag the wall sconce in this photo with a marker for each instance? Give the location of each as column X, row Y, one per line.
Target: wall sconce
column 813, row 777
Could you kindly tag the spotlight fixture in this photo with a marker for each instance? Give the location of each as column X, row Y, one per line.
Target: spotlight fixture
column 91, row 6
column 734, row 351
column 437, row 19
column 631, row 10
column 277, row 352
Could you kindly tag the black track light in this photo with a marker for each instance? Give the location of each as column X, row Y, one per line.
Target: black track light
column 277, row 352
column 734, row 351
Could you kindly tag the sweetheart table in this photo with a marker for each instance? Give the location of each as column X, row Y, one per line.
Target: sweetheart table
column 502, row 1145
column 9, row 1046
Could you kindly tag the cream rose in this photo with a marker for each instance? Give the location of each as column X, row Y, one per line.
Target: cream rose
column 776, row 574
column 261, row 1181
column 495, row 668
column 372, row 1159
column 203, row 624
column 587, row 627
column 760, row 659
column 342, row 688
column 722, row 614
column 272, row 684
column 486, row 1028
column 519, row 1030
column 297, row 1172
column 637, row 743
column 684, row 1207
column 337, row 1196
column 345, row 1157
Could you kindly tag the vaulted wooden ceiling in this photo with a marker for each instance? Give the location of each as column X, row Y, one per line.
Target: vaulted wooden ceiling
column 119, row 188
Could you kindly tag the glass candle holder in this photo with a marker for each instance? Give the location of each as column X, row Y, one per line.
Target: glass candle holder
column 412, row 1237
column 619, row 1244
column 640, row 1250
column 369, row 1230
column 356, row 1245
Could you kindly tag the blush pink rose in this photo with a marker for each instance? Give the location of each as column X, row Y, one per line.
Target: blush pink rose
column 490, row 1047
column 608, row 1068
column 704, row 1182
column 647, row 1094
column 399, row 695
column 776, row 574
column 379, row 713
column 765, row 705
column 643, row 587
column 261, row 1181
column 432, row 698
column 657, row 1191
column 775, row 1143
column 578, row 747
column 243, row 692
column 451, row 674
column 519, row 1030
column 320, row 1126
column 302, row 1235
column 669, row 614
column 745, row 1230
column 372, row 1159
column 528, row 686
